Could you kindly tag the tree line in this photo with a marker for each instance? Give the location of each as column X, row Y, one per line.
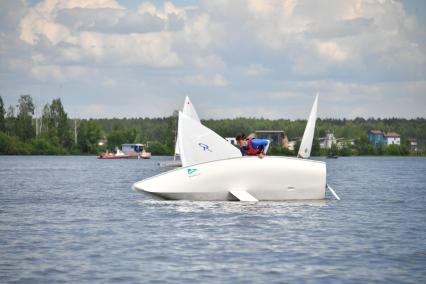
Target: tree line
column 54, row 133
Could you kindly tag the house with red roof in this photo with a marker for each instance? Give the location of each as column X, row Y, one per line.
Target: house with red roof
column 392, row 138
column 385, row 138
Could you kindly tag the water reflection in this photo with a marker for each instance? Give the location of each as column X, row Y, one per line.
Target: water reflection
column 227, row 207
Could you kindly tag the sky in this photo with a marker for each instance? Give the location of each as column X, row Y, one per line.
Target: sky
column 251, row 58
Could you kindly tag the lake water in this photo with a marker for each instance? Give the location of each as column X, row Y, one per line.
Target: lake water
column 76, row 219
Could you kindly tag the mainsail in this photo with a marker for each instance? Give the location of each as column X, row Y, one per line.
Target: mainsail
column 189, row 110
column 308, row 135
column 199, row 144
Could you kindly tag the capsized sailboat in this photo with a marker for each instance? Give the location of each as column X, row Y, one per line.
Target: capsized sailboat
column 213, row 169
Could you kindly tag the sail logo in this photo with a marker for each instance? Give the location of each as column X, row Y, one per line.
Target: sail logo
column 205, row 147
column 192, row 172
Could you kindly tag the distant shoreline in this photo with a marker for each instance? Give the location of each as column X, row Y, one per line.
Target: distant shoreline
column 53, row 133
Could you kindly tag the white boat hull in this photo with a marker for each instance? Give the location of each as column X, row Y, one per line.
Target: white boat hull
column 271, row 178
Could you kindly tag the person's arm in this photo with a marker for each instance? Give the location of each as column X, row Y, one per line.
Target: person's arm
column 265, row 149
column 262, row 144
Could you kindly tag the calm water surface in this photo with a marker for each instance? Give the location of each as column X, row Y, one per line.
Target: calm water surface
column 76, row 219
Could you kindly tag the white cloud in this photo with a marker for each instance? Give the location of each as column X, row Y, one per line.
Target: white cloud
column 216, row 80
column 164, row 12
column 109, row 82
column 133, row 49
column 73, row 44
column 33, row 26
column 202, row 32
column 330, row 50
column 211, row 61
column 57, row 73
column 281, row 49
column 41, row 20
column 256, row 70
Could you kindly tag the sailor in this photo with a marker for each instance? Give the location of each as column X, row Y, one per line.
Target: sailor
column 252, row 146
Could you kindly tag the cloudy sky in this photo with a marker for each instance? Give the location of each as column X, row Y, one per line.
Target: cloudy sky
column 122, row 58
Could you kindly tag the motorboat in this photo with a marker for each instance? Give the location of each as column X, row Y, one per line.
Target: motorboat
column 118, row 154
column 213, row 169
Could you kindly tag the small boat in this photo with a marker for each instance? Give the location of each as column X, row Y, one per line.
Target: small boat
column 117, row 155
column 135, row 151
column 332, row 156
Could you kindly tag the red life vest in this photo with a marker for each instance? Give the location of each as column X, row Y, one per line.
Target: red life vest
column 249, row 149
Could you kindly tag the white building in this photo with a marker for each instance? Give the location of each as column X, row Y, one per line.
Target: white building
column 343, row 142
column 413, row 145
column 327, row 141
column 392, row 138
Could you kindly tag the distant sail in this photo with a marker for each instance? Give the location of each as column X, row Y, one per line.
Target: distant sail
column 308, row 135
column 199, row 144
column 189, row 110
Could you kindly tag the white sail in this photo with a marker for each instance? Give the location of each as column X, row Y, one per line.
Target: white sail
column 199, row 144
column 308, row 135
column 189, row 110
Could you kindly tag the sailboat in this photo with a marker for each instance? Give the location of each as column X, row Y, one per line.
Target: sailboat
column 189, row 110
column 213, row 169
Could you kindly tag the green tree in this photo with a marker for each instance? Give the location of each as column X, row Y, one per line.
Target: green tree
column 362, row 145
column 7, row 144
column 346, row 149
column 316, row 149
column 24, row 126
column 118, row 137
column 333, row 150
column 297, row 147
column 172, row 129
column 43, row 146
column 45, row 118
column 404, row 149
column 393, row 150
column 58, row 123
column 10, row 123
column 379, row 149
column 157, row 148
column 276, row 150
column 2, row 116
column 89, row 134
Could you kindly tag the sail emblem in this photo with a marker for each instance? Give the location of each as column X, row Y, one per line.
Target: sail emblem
column 205, row 147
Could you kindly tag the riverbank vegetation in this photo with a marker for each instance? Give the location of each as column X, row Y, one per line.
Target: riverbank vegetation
column 54, row 133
